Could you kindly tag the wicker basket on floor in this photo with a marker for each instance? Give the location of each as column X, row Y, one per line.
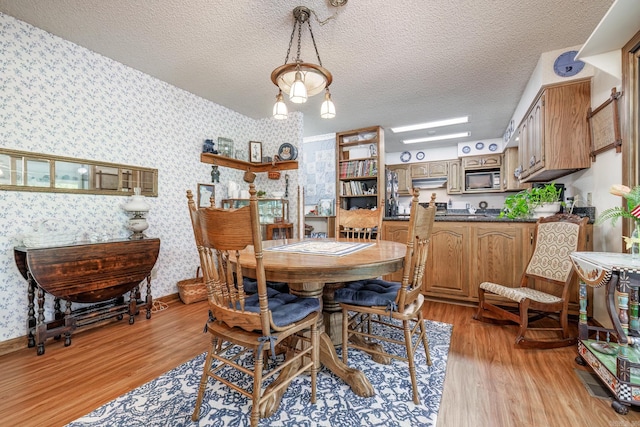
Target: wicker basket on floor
column 192, row 290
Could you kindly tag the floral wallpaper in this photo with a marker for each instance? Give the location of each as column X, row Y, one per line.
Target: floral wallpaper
column 59, row 98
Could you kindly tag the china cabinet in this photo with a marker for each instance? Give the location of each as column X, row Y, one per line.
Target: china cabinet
column 612, row 353
column 360, row 168
column 271, row 210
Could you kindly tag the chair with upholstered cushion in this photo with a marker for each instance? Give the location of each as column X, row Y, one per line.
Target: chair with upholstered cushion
column 371, row 306
column 255, row 325
column 549, row 268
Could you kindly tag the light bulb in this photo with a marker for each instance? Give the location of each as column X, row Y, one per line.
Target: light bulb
column 327, row 109
column 298, row 93
column 280, row 108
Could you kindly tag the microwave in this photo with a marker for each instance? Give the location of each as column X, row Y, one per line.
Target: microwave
column 485, row 180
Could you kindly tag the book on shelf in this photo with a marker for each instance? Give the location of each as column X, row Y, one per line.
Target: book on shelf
column 358, row 168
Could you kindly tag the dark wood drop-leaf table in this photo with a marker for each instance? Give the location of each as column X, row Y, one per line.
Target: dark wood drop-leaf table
column 100, row 274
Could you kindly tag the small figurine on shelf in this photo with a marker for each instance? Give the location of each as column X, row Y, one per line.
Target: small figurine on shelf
column 215, row 174
column 209, row 147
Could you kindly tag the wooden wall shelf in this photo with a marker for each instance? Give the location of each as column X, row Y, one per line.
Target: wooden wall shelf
column 228, row 162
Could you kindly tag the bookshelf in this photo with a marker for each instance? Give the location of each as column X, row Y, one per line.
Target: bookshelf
column 360, row 168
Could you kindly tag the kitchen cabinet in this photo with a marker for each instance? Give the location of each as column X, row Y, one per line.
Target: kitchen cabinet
column 464, row 254
column 430, row 169
column 454, row 177
column 360, row 178
column 511, row 162
column 447, row 272
column 489, row 161
column 554, row 133
column 404, row 178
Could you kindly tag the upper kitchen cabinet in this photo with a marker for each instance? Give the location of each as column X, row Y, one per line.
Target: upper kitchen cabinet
column 404, row 179
column 510, row 163
column 454, row 177
column 489, row 161
column 360, row 168
column 430, row 169
column 554, row 134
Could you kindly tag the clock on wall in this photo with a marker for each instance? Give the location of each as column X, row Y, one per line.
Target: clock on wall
column 566, row 66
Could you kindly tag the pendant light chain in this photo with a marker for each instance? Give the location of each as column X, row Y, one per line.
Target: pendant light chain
column 286, row 59
column 301, row 79
column 299, row 39
column 314, row 44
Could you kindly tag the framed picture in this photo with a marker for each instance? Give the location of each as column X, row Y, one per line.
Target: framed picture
column 206, row 192
column 325, row 207
column 255, row 152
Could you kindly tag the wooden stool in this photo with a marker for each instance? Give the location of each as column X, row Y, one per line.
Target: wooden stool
column 280, row 230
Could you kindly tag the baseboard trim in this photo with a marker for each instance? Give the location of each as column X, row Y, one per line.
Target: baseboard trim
column 18, row 343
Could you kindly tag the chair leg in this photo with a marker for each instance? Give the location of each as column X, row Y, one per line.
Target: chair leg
column 564, row 323
column 315, row 359
column 204, row 379
column 257, row 387
column 524, row 320
column 479, row 312
column 412, row 368
column 425, row 340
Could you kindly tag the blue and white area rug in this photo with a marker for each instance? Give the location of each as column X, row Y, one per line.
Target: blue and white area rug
column 169, row 399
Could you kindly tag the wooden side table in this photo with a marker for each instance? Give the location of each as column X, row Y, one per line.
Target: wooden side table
column 98, row 273
column 279, row 230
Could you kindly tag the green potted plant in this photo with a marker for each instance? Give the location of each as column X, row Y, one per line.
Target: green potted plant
column 545, row 200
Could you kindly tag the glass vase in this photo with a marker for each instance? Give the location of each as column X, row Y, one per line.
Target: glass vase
column 635, row 247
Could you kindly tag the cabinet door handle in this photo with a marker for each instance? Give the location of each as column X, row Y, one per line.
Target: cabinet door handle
column 531, row 238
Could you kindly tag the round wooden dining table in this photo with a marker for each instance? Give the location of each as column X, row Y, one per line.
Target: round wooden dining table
column 307, row 274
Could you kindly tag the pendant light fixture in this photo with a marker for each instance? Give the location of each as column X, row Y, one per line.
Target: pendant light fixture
column 300, row 79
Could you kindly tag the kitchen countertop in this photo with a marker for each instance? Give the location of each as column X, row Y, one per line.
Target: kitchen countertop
column 489, row 215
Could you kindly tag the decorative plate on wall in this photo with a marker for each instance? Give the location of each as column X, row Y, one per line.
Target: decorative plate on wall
column 493, row 147
column 420, row 155
column 566, row 65
column 479, row 145
column 405, row 156
column 287, row 152
column 466, row 149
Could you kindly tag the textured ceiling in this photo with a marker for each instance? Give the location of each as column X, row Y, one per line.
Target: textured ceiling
column 393, row 62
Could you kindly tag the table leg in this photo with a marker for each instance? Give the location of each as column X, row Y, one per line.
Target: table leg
column 31, row 313
column 356, row 379
column 149, row 298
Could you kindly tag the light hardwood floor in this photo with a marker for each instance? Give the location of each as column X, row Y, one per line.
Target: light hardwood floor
column 488, row 382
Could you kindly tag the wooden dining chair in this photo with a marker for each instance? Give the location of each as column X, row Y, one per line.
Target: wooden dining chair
column 549, row 268
column 239, row 324
column 359, row 224
column 372, row 308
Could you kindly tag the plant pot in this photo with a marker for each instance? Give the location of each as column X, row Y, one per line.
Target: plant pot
column 546, row 210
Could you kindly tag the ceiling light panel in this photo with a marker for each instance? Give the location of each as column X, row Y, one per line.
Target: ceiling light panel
column 429, row 125
column 437, row 138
